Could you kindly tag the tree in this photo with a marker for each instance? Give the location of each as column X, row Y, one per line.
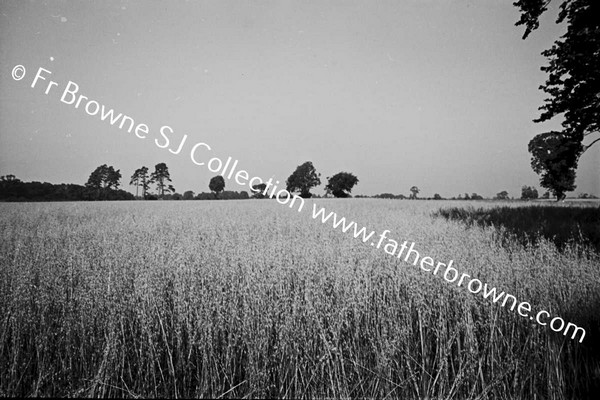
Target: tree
column 103, row 178
column 113, row 178
column 475, row 196
column 529, row 192
column 9, row 178
column 258, row 191
column 414, row 191
column 573, row 85
column 216, row 185
column 555, row 157
column 503, row 195
column 140, row 178
column 303, row 179
column 341, row 184
column 188, row 195
column 436, row 196
column 135, row 180
column 161, row 176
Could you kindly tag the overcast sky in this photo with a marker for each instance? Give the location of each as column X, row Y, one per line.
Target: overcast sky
column 440, row 94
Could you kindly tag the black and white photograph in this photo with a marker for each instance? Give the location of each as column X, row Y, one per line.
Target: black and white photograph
column 300, row 199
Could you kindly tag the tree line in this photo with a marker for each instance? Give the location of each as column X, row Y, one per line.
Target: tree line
column 13, row 189
column 103, row 184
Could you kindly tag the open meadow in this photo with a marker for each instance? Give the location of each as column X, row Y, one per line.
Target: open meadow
column 252, row 299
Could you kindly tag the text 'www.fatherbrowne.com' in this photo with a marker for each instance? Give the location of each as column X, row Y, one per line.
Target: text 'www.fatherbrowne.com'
column 408, row 253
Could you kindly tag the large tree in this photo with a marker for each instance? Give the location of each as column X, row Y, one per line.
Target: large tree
column 140, row 178
column 304, row 178
column 341, row 184
column 103, row 179
column 573, row 87
column 216, row 185
column 161, row 176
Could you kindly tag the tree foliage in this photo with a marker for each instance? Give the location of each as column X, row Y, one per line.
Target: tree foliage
column 161, row 176
column 573, row 86
column 104, row 177
column 216, row 184
column 529, row 193
column 554, row 157
column 503, row 195
column 304, row 178
column 13, row 189
column 341, row 184
column 414, row 191
column 258, row 191
column 141, row 178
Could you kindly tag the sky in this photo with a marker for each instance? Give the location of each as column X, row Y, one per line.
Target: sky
column 440, row 94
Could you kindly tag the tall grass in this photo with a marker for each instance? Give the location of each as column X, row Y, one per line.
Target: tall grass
column 559, row 223
column 250, row 299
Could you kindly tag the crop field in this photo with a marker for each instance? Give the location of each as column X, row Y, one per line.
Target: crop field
column 239, row 299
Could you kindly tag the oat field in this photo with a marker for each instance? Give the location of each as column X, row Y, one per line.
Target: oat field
column 238, row 299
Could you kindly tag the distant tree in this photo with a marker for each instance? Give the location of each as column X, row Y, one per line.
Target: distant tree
column 224, row 195
column 216, row 185
column 9, row 178
column 232, row 195
column 528, row 193
column 414, row 191
column 135, row 181
column 341, row 184
column 205, row 196
column 188, row 195
column 258, row 191
column 467, row 197
column 572, row 86
column 11, row 187
column 160, row 177
column 303, row 179
column 546, row 195
column 140, row 178
column 503, row 195
column 437, row 197
column 103, row 179
column 555, row 157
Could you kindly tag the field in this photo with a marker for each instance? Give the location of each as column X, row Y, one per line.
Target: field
column 252, row 299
